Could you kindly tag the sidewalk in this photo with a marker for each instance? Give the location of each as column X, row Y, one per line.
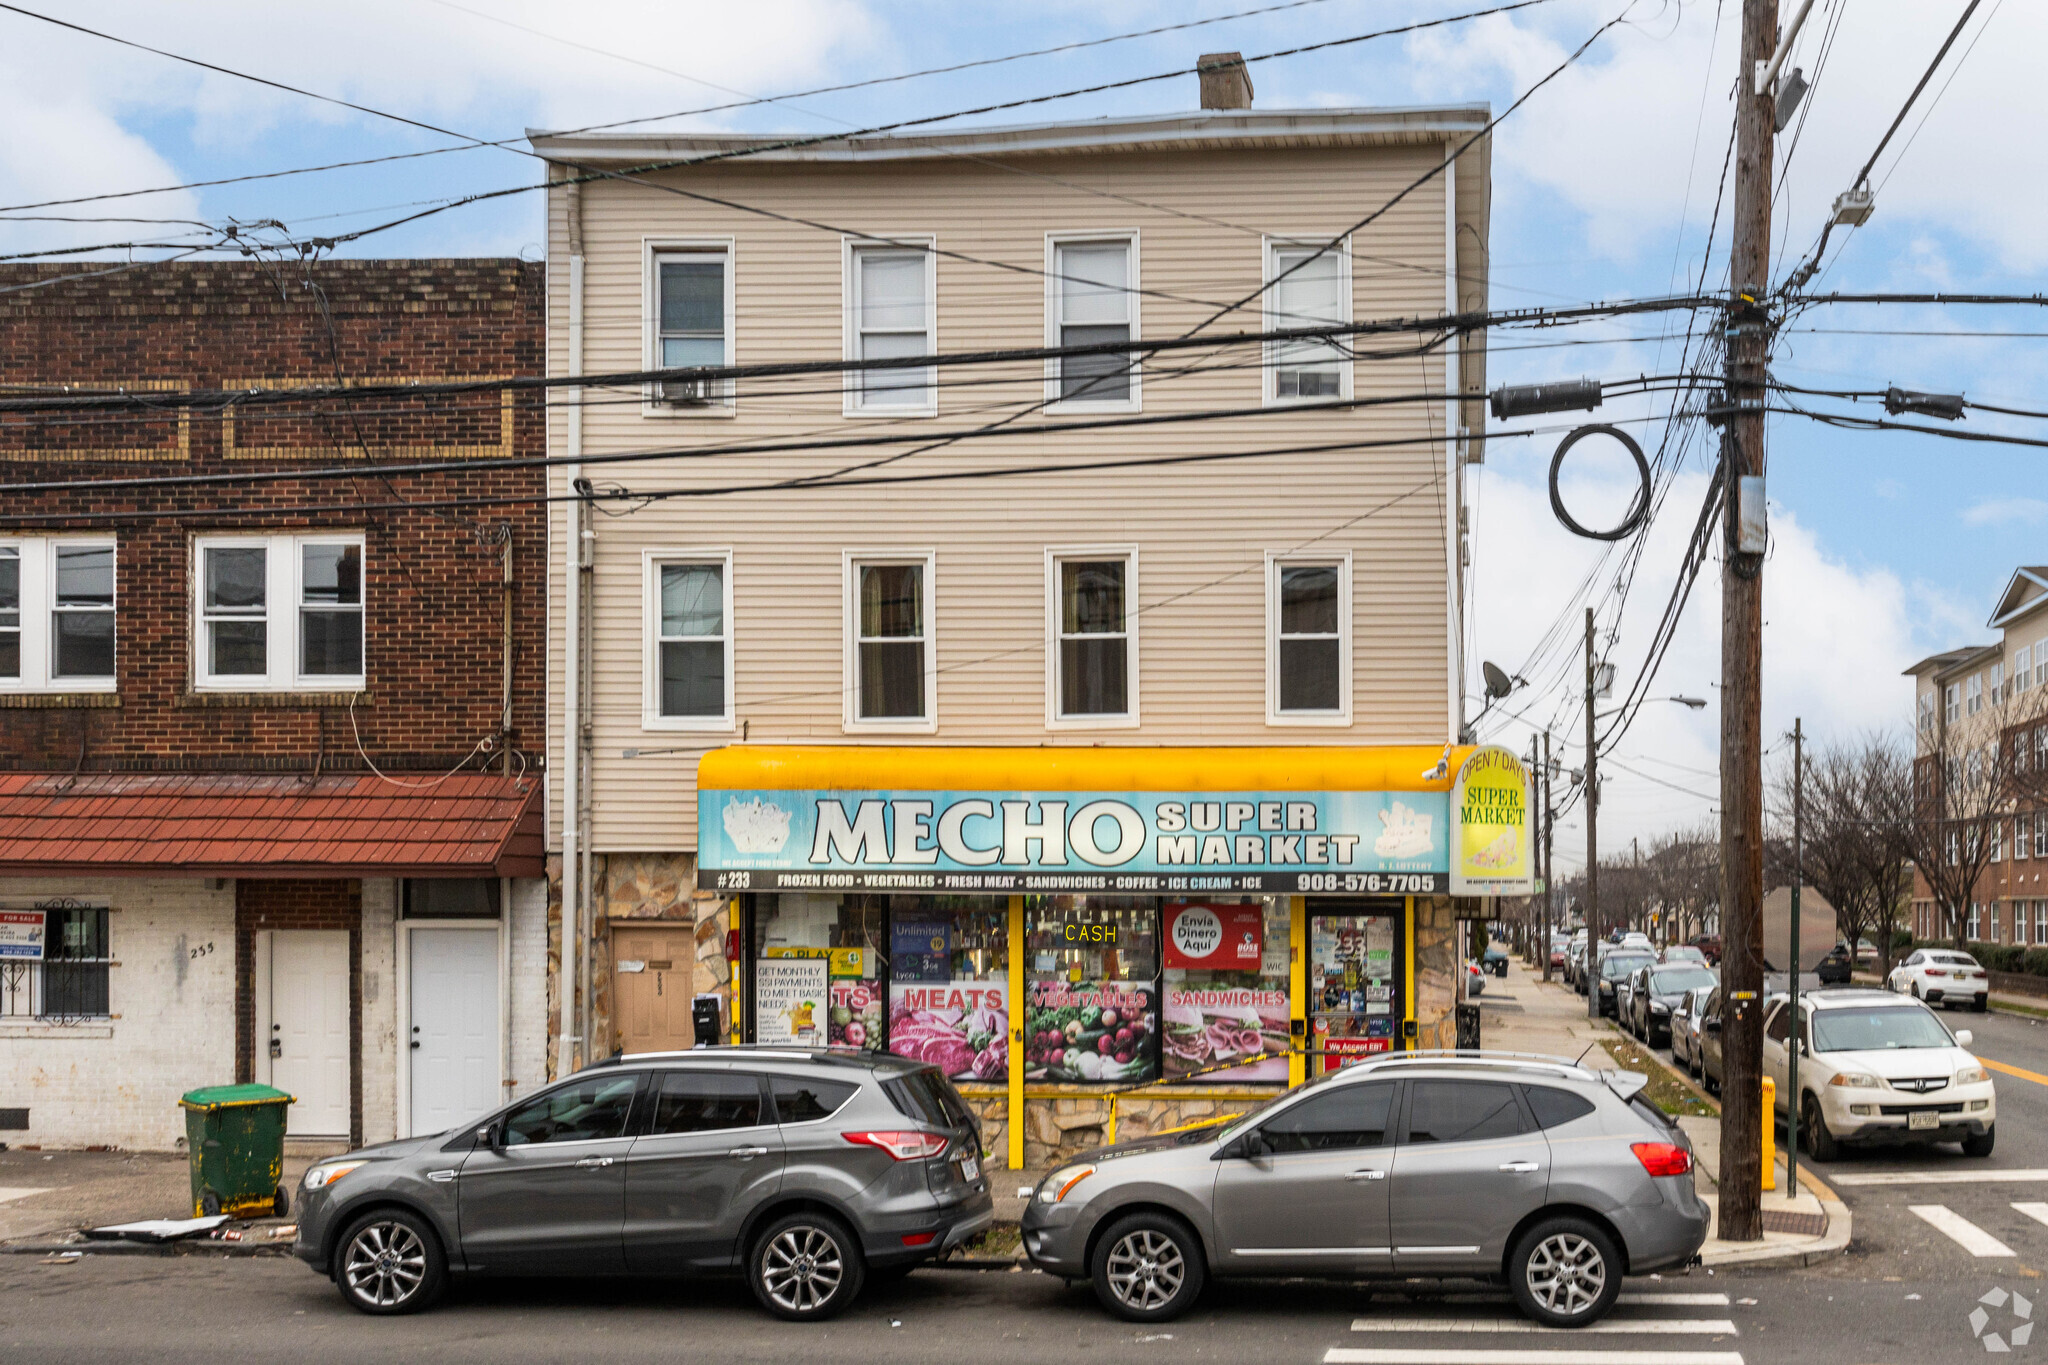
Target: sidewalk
column 1523, row 1014
column 48, row 1198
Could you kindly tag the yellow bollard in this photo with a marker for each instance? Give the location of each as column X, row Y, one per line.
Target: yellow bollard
column 1770, row 1134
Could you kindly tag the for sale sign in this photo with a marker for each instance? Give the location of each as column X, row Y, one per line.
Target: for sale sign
column 21, row 933
column 1214, row 937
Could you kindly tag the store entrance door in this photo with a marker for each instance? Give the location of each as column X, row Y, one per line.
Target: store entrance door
column 1357, row 987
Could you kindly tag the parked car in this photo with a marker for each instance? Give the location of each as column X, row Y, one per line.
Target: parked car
column 1555, row 1178
column 1876, row 1070
column 1558, row 959
column 1836, row 967
column 1942, row 976
column 1710, row 944
column 1685, row 1029
column 1683, row 952
column 1495, row 961
column 807, row 1171
column 1635, row 938
column 1706, row 1041
column 1657, row 991
column 1616, row 968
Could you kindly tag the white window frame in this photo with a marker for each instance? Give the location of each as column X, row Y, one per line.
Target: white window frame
column 284, row 585
column 1973, row 695
column 38, row 578
column 2040, row 922
column 651, row 564
column 2019, row 838
column 1997, row 841
column 653, row 250
column 1276, row 560
column 2041, row 834
column 1128, row 238
column 852, row 392
column 1926, row 717
column 1268, row 371
column 1056, row 555
column 2041, row 662
column 1996, row 689
column 850, row 563
column 2022, row 669
column 1952, row 702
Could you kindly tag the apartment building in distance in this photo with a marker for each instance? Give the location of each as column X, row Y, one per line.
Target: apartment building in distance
column 1078, row 723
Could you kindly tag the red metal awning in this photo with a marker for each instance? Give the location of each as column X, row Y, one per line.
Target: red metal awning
column 247, row 825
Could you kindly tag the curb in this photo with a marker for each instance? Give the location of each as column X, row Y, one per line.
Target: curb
column 1832, row 1243
column 197, row 1246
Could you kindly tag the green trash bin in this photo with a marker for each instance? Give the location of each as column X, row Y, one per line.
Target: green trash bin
column 235, row 1138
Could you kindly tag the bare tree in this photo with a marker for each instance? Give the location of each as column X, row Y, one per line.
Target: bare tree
column 1959, row 798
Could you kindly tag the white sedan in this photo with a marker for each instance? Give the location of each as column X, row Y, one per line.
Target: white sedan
column 1942, row 976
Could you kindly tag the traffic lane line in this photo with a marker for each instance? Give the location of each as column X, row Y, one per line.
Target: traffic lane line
column 1719, row 1327
column 1960, row 1230
column 2008, row 1069
column 2037, row 1212
column 1456, row 1355
column 2014, row 1176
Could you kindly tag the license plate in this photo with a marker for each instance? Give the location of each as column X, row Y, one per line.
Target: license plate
column 1926, row 1118
column 970, row 1167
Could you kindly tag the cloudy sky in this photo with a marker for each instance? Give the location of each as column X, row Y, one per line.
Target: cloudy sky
column 1886, row 547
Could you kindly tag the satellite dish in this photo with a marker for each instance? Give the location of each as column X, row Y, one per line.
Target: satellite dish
column 1498, row 684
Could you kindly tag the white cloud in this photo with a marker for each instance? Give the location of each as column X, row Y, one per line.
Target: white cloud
column 2002, row 511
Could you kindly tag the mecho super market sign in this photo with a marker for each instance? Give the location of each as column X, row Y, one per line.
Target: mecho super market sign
column 1386, row 843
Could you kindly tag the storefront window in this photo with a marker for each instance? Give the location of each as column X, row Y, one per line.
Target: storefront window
column 819, row 974
column 1092, row 1013
column 949, row 981
column 1226, row 983
column 1354, row 984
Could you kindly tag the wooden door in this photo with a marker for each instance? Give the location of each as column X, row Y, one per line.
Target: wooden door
column 651, row 977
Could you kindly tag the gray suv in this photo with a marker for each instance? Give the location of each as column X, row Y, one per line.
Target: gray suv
column 1556, row 1179
column 808, row 1171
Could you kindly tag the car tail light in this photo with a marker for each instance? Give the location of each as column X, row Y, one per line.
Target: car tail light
column 1978, row 975
column 920, row 1239
column 1663, row 1158
column 904, row 1146
column 1936, row 971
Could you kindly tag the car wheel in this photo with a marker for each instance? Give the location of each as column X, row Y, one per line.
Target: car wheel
column 389, row 1262
column 1565, row 1272
column 806, row 1266
column 1813, row 1127
column 1148, row 1268
column 1914, row 990
column 1981, row 1003
column 1980, row 1144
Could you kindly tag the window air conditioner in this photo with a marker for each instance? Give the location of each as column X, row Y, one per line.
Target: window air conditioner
column 683, row 393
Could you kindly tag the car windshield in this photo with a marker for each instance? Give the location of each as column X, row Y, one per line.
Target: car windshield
column 1678, row 980
column 1877, row 1030
column 1619, row 966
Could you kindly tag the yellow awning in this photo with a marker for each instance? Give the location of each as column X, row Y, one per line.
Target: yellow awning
column 860, row 767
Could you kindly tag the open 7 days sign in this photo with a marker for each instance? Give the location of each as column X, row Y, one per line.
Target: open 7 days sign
column 1385, row 843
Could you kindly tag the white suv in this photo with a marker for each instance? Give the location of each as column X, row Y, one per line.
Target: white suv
column 1878, row 1070
column 1942, row 976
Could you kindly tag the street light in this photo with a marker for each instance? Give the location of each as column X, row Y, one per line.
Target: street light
column 1689, row 703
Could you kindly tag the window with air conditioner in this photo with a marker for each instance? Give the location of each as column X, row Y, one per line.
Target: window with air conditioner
column 690, row 325
column 278, row 613
column 1308, row 284
column 57, row 614
column 689, row 641
column 1092, row 300
column 891, row 315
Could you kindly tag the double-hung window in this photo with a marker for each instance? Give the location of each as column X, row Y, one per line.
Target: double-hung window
column 1975, row 694
column 1308, row 640
column 57, row 615
column 891, row 313
column 1091, row 300
column 891, row 674
column 1308, row 285
column 2041, row 834
column 1997, row 675
column 690, row 322
column 1926, row 713
column 279, row 613
column 1093, row 655
column 2022, row 669
column 2019, row 838
column 1951, row 703
column 2041, row 662
column 689, row 641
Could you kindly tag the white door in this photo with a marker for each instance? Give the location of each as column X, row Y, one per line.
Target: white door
column 309, row 1028
column 454, row 1042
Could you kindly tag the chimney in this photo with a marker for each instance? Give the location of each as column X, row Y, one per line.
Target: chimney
column 1225, row 82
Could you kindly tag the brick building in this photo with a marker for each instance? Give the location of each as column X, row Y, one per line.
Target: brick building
column 268, row 799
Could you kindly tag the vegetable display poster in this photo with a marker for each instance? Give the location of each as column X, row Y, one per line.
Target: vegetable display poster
column 1091, row 1031
column 961, row 1027
column 1210, row 1026
column 789, row 1001
column 856, row 1019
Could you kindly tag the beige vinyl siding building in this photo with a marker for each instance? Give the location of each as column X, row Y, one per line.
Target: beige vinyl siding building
column 1190, row 213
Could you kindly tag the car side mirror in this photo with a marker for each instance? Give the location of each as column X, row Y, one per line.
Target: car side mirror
column 1964, row 1037
column 493, row 1136
column 1710, row 1025
column 1242, row 1146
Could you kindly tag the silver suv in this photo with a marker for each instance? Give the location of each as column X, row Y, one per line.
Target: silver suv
column 811, row 1171
column 1556, row 1179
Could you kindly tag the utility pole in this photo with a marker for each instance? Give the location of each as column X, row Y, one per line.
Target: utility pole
column 1592, row 840
column 1742, row 782
column 1798, row 1034
column 1549, row 916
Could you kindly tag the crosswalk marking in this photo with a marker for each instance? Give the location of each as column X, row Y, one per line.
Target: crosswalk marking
column 1459, row 1355
column 1622, row 1327
column 1960, row 1230
column 12, row 1192
column 2037, row 1212
column 2015, row 1176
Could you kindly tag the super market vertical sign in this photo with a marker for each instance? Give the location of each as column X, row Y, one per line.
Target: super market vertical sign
column 1490, row 806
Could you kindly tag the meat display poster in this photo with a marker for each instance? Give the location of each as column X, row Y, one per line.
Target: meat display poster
column 1091, row 1031
column 1208, row 1026
column 961, row 1027
column 789, row 1001
column 1214, row 938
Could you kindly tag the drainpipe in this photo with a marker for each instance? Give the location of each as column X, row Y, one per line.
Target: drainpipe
column 572, row 641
